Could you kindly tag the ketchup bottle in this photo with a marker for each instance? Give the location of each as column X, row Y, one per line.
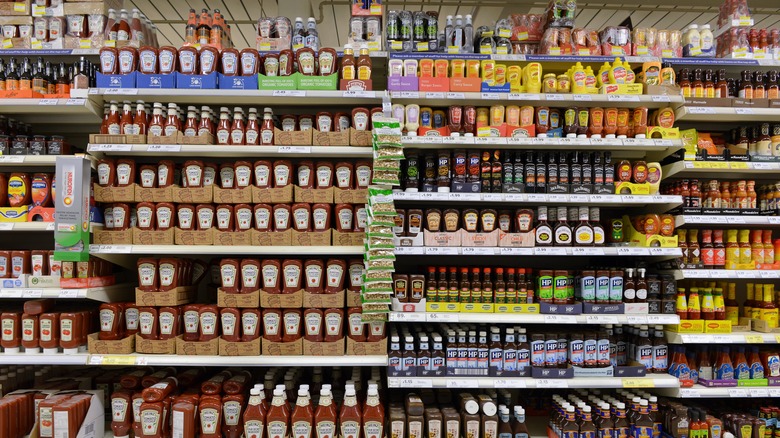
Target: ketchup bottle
column 252, row 136
column 267, row 128
column 303, row 415
column 237, row 128
column 121, row 411
column 350, row 418
column 278, row 416
column 254, row 414
column 223, row 128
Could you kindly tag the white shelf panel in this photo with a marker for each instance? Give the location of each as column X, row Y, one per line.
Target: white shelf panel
column 542, row 198
column 725, row 114
column 219, row 250
column 730, row 338
column 630, row 144
column 537, row 318
column 651, row 381
column 553, row 99
column 75, row 110
column 176, row 360
column 731, row 220
column 43, row 359
column 242, row 97
column 698, row 391
column 726, row 274
column 185, row 151
column 28, row 160
column 713, row 169
column 26, row 226
column 107, row 294
column 543, row 251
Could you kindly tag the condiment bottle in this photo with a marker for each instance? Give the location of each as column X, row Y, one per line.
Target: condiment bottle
column 350, row 418
column 277, row 419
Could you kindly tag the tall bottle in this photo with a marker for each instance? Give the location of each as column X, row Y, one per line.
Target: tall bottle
column 190, row 31
column 468, row 35
column 255, row 412
column 373, row 414
column 302, row 419
column 277, row 419
column 267, row 128
column 350, row 418
column 325, row 415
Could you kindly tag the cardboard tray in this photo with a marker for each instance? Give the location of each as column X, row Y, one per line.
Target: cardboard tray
column 121, row 346
column 249, row 300
column 281, row 301
column 270, row 348
column 190, row 348
column 152, row 237
column 148, row 346
column 356, row 348
column 323, row 301
column 335, row 348
column 187, row 237
column 174, row 297
column 103, row 236
column 251, row 348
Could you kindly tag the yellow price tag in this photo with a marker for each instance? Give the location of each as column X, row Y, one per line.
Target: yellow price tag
column 20, row 7
column 504, row 33
column 109, row 43
column 36, row 44
column 754, row 339
column 617, row 51
column 485, row 50
column 85, row 43
column 667, row 53
column 38, row 10
column 555, row 51
column 738, row 165
column 374, row 46
column 745, row 20
column 375, row 10
column 501, row 50
column 695, row 51
column 483, row 131
column 265, row 47
column 642, row 50
column 111, row 360
column 395, row 45
column 720, row 165
column 777, row 339
column 701, row 165
column 638, row 383
column 422, row 46
column 583, row 52
column 8, row 44
column 522, row 36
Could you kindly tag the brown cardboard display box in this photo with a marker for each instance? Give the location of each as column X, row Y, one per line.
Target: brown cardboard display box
column 271, row 238
column 354, row 238
column 174, row 297
column 202, row 139
column 155, row 346
column 117, row 139
column 152, row 237
column 355, row 348
column 232, row 196
column 322, row 301
column 311, row 238
column 250, row 348
column 15, row 8
column 160, row 194
column 292, row 138
column 335, row 348
column 313, row 196
column 193, row 237
column 114, row 194
column 331, row 138
column 120, row 346
column 353, row 196
column 193, row 348
column 249, row 300
column 283, row 301
column 233, row 238
column 359, row 138
column 279, row 195
column 163, row 139
column 353, row 298
column 193, row 195
column 102, row 236
column 294, row 348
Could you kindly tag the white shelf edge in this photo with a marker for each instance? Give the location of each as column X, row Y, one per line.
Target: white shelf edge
column 531, row 318
column 748, row 338
column 616, row 200
column 698, row 391
column 650, row 381
column 540, row 251
column 116, row 292
column 229, row 151
column 726, row 274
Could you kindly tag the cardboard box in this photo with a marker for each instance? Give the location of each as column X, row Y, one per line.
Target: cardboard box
column 94, row 421
column 190, row 348
column 348, row 239
column 150, row 346
column 151, row 237
column 90, row 7
column 718, row 327
column 15, row 214
column 197, row 237
column 250, row 348
column 200, row 140
column 516, row 240
column 160, row 194
column 311, row 238
column 322, row 301
column 356, row 348
column 121, row 346
column 103, row 236
column 249, row 300
column 442, row 238
column 283, row 301
column 293, row 138
column 355, row 196
column 353, row 298
column 483, row 240
column 335, row 348
column 686, row 326
column 313, row 196
column 271, row 348
column 174, row 297
column 271, row 238
column 232, row 196
column 195, row 195
column 330, row 138
column 233, row 238
column 359, row 138
column 23, row 7
column 163, row 139
column 280, row 195
column 111, row 195
column 117, row 139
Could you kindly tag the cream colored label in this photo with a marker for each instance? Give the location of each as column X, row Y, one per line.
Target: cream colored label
column 345, row 219
column 313, row 324
column 209, row 420
column 282, row 175
column 355, row 322
column 249, row 276
column 249, row 323
column 132, row 318
column 147, row 178
column 271, row 324
column 205, row 218
column 304, row 176
column 227, row 177
column 144, row 215
column 292, row 276
column 167, row 323
column 320, row 216
column 167, row 273
column 243, row 176
column 228, row 273
column 147, row 322
column 262, row 218
column 104, row 171
column 281, row 219
column 313, row 276
column 223, row 218
column 228, row 324
column 270, row 276
column 262, row 173
column 162, row 175
column 194, row 175
column 164, row 215
column 208, row 323
column 343, row 177
column 185, row 218
column 191, row 321
column 123, row 174
column 106, row 320
column 301, row 216
column 333, row 324
column 209, row 175
column 324, row 175
column 9, row 328
column 46, row 330
column 292, row 323
column 119, row 217
column 335, row 275
column 244, row 218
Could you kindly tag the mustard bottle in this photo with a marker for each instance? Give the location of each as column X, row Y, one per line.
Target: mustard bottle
column 590, row 81
column 630, row 75
column 617, row 74
column 578, row 79
column 533, row 77
column 603, row 77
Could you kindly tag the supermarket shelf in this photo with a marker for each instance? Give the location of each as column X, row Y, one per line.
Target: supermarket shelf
column 68, row 111
column 26, row 226
column 679, row 221
column 554, row 100
column 727, row 169
column 726, row 114
column 530, row 318
column 27, row 160
column 662, row 202
column 243, row 97
column 698, row 391
column 182, row 360
column 725, row 274
column 49, row 52
column 43, row 359
column 186, row 151
column 729, row 338
column 106, row 294
column 661, row 253
column 651, row 381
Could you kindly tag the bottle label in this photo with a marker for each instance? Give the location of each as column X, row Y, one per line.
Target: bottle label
column 373, row 429
column 228, row 324
column 325, row 429
column 537, row 353
column 602, row 289
column 277, row 429
column 629, row 293
column 131, row 319
column 106, row 320
column 237, row 136
column 262, row 174
column 191, row 320
column 208, row 323
column 590, row 353
column 724, row 372
column 301, row 429
column 266, row 136
column 150, row 420
column 251, row 136
column 292, row 323
column 118, row 409
column 351, row 429
column 660, row 357
column 523, row 359
column 167, row 323
column 114, row 129
column 223, row 136
column 229, row 63
column 185, row 218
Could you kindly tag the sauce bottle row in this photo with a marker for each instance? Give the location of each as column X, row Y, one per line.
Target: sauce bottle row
column 713, row 194
column 744, row 249
column 60, row 414
column 306, row 174
column 301, row 217
column 78, row 76
column 205, row 30
column 483, row 351
column 164, row 274
column 291, row 34
column 541, row 122
column 39, row 263
column 605, row 415
column 709, row 83
column 723, row 363
column 40, row 326
column 518, row 286
column 509, row 171
column 288, row 276
column 705, row 302
column 23, row 189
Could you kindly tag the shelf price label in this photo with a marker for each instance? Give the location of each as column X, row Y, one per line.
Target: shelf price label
column 754, row 339
column 442, row 317
column 738, row 393
column 163, row 148
column 490, row 96
column 289, row 93
column 689, row 393
column 407, row 317
column 552, row 383
column 294, row 149
column 359, row 94
column 744, row 111
column 601, row 319
column 508, row 383
column 560, row 319
column 68, row 293
column 32, row 293
column 95, row 359
column 48, row 102
column 638, row 383
column 460, row 383
column 6, row 226
column 456, row 96
column 11, row 158
column 471, row 250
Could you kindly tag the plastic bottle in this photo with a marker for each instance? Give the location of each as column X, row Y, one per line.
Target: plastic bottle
column 578, row 79
column 707, row 41
column 532, row 76
column 603, row 76
column 617, row 74
column 468, row 35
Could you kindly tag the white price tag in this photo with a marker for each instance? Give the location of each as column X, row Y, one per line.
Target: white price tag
column 601, row 319
column 550, row 251
column 768, row 274
column 516, row 251
column 492, row 197
column 661, row 99
column 745, row 274
column 6, row 226
column 689, row 393
column 435, row 250
column 491, row 96
column 407, row 317
column 551, row 383
column 110, row 147
column 434, row 95
column 632, row 251
column 738, row 392
column 442, row 317
column 663, row 319
column 289, row 93
column 294, row 149
column 622, row 98
column 457, row 96
column 774, row 392
column 719, row 273
column 735, row 220
column 582, row 98
column 407, row 94
column 11, row 158
column 557, row 198
column 759, row 392
column 696, row 273
column 68, row 293
column 773, row 220
column 554, row 97
column 700, row 110
column 409, row 250
column 560, row 319
column 75, row 102
column 695, row 339
column 587, row 251
column 95, row 360
column 516, row 197
column 461, row 383
column 720, row 339
column 10, row 293
column 164, row 148
column 629, row 198
column 32, row 293
column 744, row 111
column 508, row 383
column 477, row 251
column 416, row 383
column 429, row 196
column 50, row 226
column 47, row 101
column 636, row 319
column 576, row 199
column 110, row 249
column 537, row 197
column 122, row 91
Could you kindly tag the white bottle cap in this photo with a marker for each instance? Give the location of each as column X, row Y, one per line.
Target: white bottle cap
column 12, row 350
column 64, row 350
column 32, row 350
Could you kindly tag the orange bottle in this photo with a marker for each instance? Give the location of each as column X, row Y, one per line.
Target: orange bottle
column 190, row 36
column 350, row 418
